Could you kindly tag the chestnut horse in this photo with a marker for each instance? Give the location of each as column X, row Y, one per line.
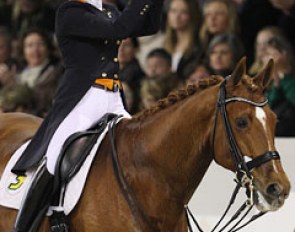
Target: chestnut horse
column 164, row 153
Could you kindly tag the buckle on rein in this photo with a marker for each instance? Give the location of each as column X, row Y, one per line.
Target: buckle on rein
column 246, row 182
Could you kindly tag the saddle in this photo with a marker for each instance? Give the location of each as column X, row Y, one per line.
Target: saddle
column 73, row 154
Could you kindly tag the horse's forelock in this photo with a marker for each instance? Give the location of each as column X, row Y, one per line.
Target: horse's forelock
column 250, row 83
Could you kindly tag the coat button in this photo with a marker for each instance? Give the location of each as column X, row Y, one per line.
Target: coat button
column 116, row 59
column 109, row 14
column 147, row 6
column 141, row 13
column 118, row 42
column 104, row 75
column 116, row 76
column 102, row 58
column 106, row 42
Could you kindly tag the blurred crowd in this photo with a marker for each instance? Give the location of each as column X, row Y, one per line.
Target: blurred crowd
column 198, row 38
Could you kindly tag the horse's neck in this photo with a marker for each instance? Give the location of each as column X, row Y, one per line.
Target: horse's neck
column 179, row 140
column 174, row 151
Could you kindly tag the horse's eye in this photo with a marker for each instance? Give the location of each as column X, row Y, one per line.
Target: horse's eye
column 242, row 123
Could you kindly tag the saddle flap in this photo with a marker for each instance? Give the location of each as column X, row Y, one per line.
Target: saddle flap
column 76, row 149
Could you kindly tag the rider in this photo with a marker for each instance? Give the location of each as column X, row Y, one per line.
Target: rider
column 89, row 34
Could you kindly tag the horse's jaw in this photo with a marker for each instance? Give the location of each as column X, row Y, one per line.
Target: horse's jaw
column 265, row 204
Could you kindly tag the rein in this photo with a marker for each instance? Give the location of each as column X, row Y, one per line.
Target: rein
column 244, row 177
column 131, row 199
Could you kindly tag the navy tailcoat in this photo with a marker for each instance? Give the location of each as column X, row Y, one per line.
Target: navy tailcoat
column 88, row 39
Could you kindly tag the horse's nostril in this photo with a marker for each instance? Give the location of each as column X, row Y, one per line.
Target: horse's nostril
column 274, row 190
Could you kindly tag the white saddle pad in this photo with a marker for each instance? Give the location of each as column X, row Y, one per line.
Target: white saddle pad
column 12, row 191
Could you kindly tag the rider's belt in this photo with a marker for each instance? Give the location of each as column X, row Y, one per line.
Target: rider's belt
column 108, row 84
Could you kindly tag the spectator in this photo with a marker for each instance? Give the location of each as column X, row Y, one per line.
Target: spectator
column 263, row 36
column 154, row 89
column 220, row 16
column 181, row 33
column 130, row 101
column 282, row 92
column 7, row 64
column 5, row 45
column 17, row 98
column 40, row 71
column 195, row 72
column 286, row 20
column 253, row 16
column 24, row 14
column 130, row 70
column 158, row 63
column 224, row 51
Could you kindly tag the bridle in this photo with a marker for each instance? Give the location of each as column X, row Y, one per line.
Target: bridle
column 242, row 167
column 244, row 177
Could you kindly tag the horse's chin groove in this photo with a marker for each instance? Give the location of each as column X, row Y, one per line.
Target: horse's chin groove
column 265, row 204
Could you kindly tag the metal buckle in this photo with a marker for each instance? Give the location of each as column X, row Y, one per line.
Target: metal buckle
column 115, row 87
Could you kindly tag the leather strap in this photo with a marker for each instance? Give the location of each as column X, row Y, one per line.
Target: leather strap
column 258, row 161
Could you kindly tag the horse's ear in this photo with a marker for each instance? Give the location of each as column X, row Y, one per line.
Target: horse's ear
column 264, row 77
column 239, row 72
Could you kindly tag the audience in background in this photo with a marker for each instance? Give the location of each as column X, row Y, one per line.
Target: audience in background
column 198, row 38
column 196, row 71
column 158, row 63
column 253, row 16
column 181, row 39
column 7, row 64
column 263, row 36
column 17, row 98
column 220, row 16
column 286, row 20
column 223, row 53
column 24, row 14
column 39, row 70
column 130, row 103
column 5, row 46
column 130, row 70
column 154, row 89
column 281, row 95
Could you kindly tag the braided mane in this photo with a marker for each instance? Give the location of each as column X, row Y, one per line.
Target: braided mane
column 177, row 96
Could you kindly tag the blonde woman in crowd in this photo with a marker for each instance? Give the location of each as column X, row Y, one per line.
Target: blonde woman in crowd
column 219, row 16
column 181, row 32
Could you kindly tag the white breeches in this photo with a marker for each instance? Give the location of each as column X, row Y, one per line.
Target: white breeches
column 95, row 103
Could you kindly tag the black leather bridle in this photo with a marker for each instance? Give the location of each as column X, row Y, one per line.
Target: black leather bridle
column 244, row 177
column 242, row 167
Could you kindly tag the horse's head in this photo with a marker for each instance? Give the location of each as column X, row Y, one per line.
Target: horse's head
column 244, row 136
